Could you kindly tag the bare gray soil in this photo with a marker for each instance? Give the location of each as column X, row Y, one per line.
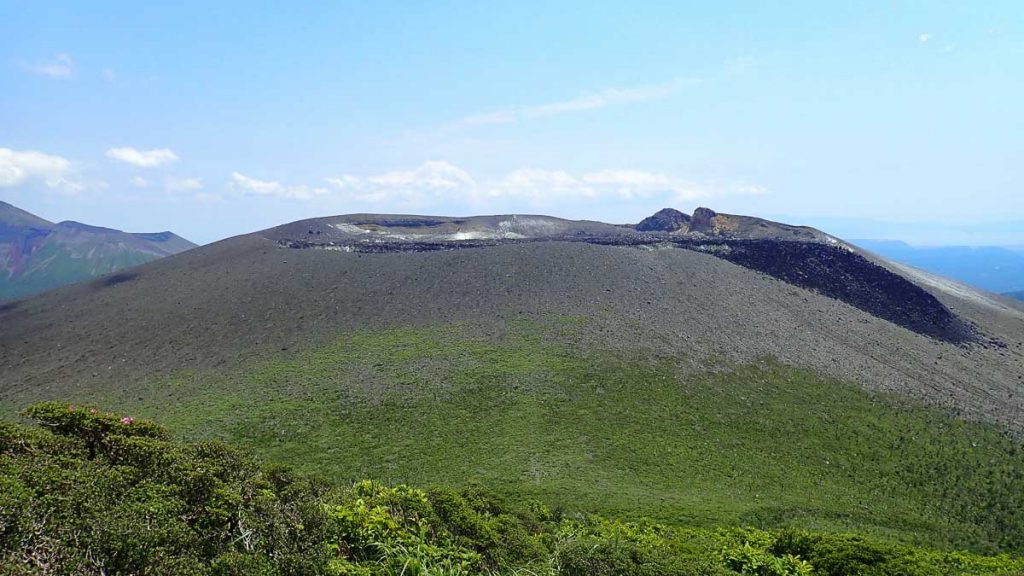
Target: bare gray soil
column 224, row 305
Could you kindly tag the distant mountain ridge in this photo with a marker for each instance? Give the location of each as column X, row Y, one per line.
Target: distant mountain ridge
column 37, row 255
column 992, row 268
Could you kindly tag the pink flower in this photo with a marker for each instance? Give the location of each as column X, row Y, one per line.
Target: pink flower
column 127, row 420
column 92, row 410
column 72, row 408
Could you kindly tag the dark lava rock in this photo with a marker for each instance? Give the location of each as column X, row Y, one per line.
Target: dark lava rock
column 851, row 278
column 664, row 220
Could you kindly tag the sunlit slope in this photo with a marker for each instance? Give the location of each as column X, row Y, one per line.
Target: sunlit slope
column 759, row 443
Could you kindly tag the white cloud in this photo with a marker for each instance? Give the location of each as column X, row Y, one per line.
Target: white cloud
column 183, row 184
column 443, row 182
column 345, row 182
column 630, row 183
column 627, row 178
column 408, row 188
column 139, row 182
column 604, row 98
column 60, row 66
column 584, row 102
column 432, row 175
column 748, row 189
column 545, row 186
column 537, row 185
column 445, row 187
column 243, row 183
column 262, row 187
column 143, row 158
column 924, row 37
column 19, row 167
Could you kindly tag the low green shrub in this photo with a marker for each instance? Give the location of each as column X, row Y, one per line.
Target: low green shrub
column 91, row 493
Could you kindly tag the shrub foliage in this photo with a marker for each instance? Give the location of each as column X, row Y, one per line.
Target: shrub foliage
column 89, row 492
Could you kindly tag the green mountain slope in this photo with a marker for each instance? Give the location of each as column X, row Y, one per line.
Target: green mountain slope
column 134, row 501
column 759, row 444
column 37, row 255
column 630, row 374
column 12, row 216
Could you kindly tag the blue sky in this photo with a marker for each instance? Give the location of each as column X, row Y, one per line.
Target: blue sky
column 886, row 119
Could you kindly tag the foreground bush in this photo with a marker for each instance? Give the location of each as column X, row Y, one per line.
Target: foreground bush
column 87, row 492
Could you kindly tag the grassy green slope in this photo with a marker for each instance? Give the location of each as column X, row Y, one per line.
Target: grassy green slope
column 52, row 255
column 91, row 493
column 527, row 413
column 56, row 265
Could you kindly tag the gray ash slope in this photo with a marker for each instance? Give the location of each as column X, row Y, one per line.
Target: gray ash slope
column 702, row 287
column 801, row 256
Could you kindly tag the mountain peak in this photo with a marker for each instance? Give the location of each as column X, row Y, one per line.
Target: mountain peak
column 28, row 245
column 89, row 228
column 706, row 223
column 664, row 220
column 702, row 219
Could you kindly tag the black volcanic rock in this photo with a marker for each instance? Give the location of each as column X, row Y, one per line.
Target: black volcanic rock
column 664, row 220
column 851, row 278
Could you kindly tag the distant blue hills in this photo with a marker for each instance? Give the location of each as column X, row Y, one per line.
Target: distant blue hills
column 992, row 268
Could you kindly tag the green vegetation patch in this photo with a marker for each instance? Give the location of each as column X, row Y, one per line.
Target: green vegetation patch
column 56, row 264
column 528, row 414
column 92, row 493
